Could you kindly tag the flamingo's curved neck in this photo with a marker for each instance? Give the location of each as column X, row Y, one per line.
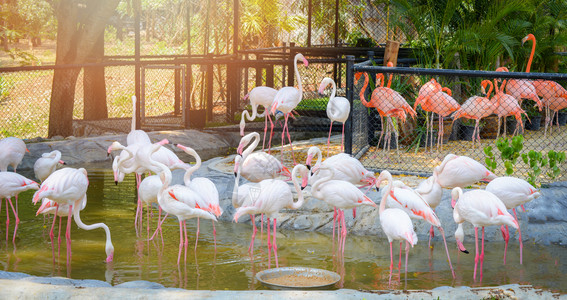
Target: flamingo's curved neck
column 315, row 187
column 251, row 147
column 235, row 189
column 300, row 199
column 362, row 99
column 380, row 77
column 385, row 193
column 254, row 113
column 528, row 67
column 333, row 91
column 121, row 161
column 79, row 222
column 490, row 89
column 319, row 158
column 192, row 169
column 299, row 87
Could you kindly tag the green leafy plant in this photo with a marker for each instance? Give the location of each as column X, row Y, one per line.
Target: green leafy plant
column 555, row 160
column 509, row 153
column 490, row 159
column 536, row 161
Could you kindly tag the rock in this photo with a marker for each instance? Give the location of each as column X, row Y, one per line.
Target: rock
column 13, row 275
column 67, row 281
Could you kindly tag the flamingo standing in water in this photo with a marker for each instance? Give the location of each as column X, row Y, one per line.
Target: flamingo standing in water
column 339, row 194
column 395, row 222
column 513, row 192
column 345, row 167
column 481, row 208
column 12, row 151
column 287, row 99
column 338, row 109
column 169, row 200
column 411, row 202
column 11, row 184
column 203, row 187
column 273, row 196
column 460, row 171
column 69, row 186
column 523, row 88
column 476, row 108
column 260, row 95
column 507, row 105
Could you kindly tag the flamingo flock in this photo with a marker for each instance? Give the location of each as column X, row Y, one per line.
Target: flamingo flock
column 336, row 180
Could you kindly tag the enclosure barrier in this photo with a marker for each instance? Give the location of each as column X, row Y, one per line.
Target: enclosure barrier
column 421, row 142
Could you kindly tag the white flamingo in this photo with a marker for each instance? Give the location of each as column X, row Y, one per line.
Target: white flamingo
column 47, row 164
column 339, row 194
column 12, row 151
column 287, row 99
column 395, row 222
column 259, row 165
column 260, row 95
column 338, row 109
column 205, row 188
column 11, row 184
column 273, row 196
column 481, row 208
column 513, row 192
column 461, row 171
column 69, row 186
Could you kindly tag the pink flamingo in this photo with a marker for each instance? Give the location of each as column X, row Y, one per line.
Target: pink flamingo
column 339, row 194
column 12, row 151
column 480, row 208
column 426, row 92
column 395, row 222
column 287, row 99
column 476, row 108
column 338, row 109
column 203, row 187
column 523, row 88
column 513, row 192
column 507, row 105
column 553, row 96
column 260, row 95
column 460, row 171
column 412, row 203
column 273, row 196
column 11, row 184
column 69, row 186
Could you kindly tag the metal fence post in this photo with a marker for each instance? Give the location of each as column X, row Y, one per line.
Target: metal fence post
column 350, row 97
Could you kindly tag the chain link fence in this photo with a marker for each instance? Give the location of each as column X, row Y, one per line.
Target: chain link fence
column 431, row 113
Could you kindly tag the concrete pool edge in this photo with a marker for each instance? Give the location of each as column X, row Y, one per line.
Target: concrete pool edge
column 25, row 289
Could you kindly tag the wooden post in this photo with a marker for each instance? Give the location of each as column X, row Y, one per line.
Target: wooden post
column 391, row 52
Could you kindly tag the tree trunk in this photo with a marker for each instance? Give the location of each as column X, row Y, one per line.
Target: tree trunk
column 94, row 86
column 76, row 38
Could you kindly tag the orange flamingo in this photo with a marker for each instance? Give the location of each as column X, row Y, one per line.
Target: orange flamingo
column 554, row 97
column 507, row 105
column 523, row 88
column 476, row 108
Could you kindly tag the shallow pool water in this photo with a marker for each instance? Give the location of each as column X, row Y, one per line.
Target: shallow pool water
column 365, row 264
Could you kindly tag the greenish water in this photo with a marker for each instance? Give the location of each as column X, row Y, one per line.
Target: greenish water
column 365, row 264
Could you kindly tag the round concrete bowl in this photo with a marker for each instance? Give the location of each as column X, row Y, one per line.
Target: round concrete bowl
column 301, row 274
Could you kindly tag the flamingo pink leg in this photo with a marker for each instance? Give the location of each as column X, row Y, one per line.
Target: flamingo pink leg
column 269, row 244
column 180, row 241
column 289, row 138
column 17, row 220
column 520, row 234
column 431, row 234
column 407, row 252
column 354, row 213
column 186, row 244
column 160, row 222
column 59, row 239
column 476, row 254
column 261, row 224
column 447, row 251
column 275, row 244
column 482, row 254
column 254, row 230
column 400, row 257
column 506, row 236
column 214, row 234
column 51, row 235
column 197, row 235
column 344, row 230
column 68, row 234
column 7, row 219
column 265, row 131
column 271, row 133
column 334, row 219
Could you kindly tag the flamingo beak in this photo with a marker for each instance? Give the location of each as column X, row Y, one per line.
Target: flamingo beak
column 453, row 202
column 285, row 171
column 43, row 207
column 239, row 149
column 308, row 161
column 461, row 247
